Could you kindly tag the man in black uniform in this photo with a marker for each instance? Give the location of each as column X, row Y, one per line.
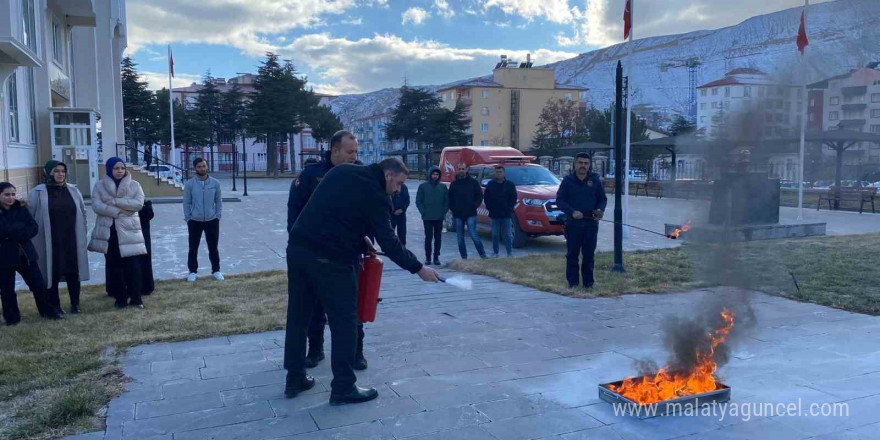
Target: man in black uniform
column 582, row 199
column 350, row 204
column 343, row 149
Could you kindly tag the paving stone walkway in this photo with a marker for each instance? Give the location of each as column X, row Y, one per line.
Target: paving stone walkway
column 502, row 362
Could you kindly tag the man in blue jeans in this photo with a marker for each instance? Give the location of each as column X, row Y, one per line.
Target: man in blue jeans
column 465, row 196
column 500, row 199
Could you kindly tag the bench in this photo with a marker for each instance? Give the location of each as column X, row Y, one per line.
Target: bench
column 853, row 194
column 650, row 185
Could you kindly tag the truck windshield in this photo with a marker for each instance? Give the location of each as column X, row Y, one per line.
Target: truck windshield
column 530, row 176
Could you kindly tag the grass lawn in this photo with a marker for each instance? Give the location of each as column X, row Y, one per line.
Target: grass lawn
column 54, row 376
column 839, row 272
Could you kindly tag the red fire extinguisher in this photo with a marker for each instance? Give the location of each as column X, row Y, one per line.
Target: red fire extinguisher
column 369, row 282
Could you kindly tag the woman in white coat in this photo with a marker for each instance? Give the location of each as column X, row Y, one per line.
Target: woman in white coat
column 116, row 199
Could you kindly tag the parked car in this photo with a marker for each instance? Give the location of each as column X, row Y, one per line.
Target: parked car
column 165, row 172
column 536, row 213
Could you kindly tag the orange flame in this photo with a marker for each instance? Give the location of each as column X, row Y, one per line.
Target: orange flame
column 678, row 231
column 666, row 385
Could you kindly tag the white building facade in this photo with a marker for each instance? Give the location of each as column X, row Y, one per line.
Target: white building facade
column 373, row 145
column 60, row 74
column 852, row 102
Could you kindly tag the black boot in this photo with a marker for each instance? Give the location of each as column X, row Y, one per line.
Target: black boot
column 358, row 395
column 316, row 350
column 296, row 384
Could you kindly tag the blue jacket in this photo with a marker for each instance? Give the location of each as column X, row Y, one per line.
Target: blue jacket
column 400, row 200
column 581, row 195
column 303, row 186
column 202, row 200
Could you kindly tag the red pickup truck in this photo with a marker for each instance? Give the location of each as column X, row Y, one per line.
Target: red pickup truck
column 535, row 213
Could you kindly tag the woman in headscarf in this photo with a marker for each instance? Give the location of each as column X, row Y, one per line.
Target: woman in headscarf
column 116, row 199
column 60, row 213
column 17, row 254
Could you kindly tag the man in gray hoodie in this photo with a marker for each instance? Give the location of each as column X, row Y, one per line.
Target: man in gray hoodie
column 202, row 209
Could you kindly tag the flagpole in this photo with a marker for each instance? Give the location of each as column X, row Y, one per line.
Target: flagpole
column 804, row 116
column 174, row 159
column 628, row 124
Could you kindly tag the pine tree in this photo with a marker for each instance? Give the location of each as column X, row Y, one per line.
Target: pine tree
column 233, row 117
column 138, row 108
column 682, row 126
column 411, row 118
column 208, row 106
column 324, row 123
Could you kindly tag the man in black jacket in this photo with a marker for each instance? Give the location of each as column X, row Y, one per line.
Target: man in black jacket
column 465, row 196
column 326, row 241
column 343, row 149
column 400, row 203
column 500, row 199
column 582, row 198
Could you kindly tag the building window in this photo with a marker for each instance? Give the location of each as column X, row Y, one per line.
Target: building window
column 800, row 93
column 58, row 42
column 875, row 113
column 702, row 92
column 835, row 100
column 768, row 131
column 32, row 104
column 702, row 106
column 779, row 117
column 484, row 94
column 715, row 91
column 702, row 119
column 727, row 92
column 747, row 92
column 568, row 97
column 875, row 129
column 875, row 97
column 761, row 92
column 484, row 143
column 12, row 93
column 484, row 127
column 484, row 111
column 29, row 28
column 727, row 105
column 582, row 96
column 833, row 116
column 768, row 117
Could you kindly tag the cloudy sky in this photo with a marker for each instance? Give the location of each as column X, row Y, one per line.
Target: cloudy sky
column 352, row 46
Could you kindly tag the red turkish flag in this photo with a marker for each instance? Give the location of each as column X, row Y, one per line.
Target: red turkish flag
column 802, row 40
column 627, row 19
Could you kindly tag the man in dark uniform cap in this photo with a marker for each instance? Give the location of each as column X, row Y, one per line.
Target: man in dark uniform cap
column 343, row 149
column 351, row 203
column 582, row 199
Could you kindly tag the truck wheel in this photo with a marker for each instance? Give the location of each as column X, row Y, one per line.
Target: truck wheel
column 519, row 237
column 448, row 222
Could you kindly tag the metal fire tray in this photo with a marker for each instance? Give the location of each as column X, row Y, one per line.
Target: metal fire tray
column 673, row 406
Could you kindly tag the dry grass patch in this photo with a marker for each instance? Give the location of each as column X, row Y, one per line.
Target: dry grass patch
column 838, row 272
column 53, row 376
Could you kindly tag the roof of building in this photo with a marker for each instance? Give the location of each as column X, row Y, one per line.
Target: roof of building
column 745, row 71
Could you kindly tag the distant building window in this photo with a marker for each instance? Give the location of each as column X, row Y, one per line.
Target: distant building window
column 484, row 143
column 568, row 97
column 702, row 106
column 12, row 93
column 582, row 96
column 727, row 92
column 715, row 91
column 747, row 92
column 778, row 104
column 484, row 111
column 57, row 42
column 484, row 127
column 727, row 105
column 768, row 117
column 875, row 97
column 787, row 105
column 800, row 93
column 761, row 91
column 768, row 131
column 702, row 92
column 702, row 119
column 875, row 113
column 875, row 129
column 833, row 116
column 835, row 100
column 29, row 30
column 484, row 94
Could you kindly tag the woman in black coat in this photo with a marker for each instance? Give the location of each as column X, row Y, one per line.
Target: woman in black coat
column 148, row 284
column 17, row 254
